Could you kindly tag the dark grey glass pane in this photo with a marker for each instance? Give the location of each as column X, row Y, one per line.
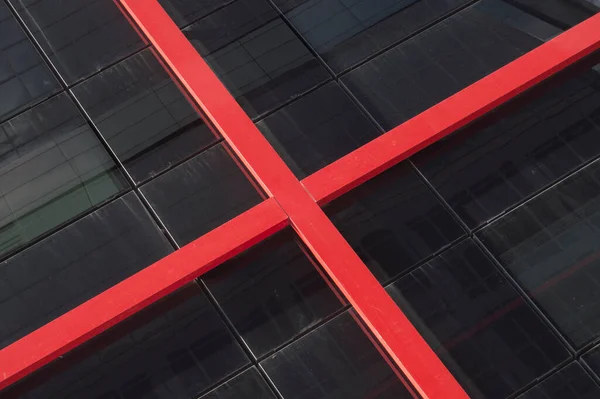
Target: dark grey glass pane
column 484, row 332
column 79, row 36
column 393, row 221
column 272, row 292
column 75, row 264
column 551, row 244
column 176, row 349
column 571, row 382
column 437, row 63
column 507, row 156
column 24, row 77
column 336, row 361
column 256, row 55
column 346, row 32
column 52, row 168
column 185, row 12
column 201, row 194
column 563, row 13
column 248, row 384
column 592, row 358
column 143, row 115
column 317, row 129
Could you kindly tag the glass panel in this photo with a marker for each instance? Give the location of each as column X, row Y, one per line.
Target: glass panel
column 272, row 292
column 563, row 13
column 24, row 77
column 346, row 32
column 337, row 360
column 505, row 157
column 256, row 55
column 551, row 245
column 248, row 384
column 201, row 194
column 75, row 264
column 393, row 221
column 184, row 12
column 484, row 332
column 439, row 62
column 571, row 382
column 79, row 36
column 175, row 349
column 317, row 129
column 592, row 359
column 143, row 115
column 52, row 168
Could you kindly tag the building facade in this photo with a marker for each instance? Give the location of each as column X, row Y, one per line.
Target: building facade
column 298, row 199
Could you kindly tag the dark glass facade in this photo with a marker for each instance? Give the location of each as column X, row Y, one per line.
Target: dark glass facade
column 487, row 240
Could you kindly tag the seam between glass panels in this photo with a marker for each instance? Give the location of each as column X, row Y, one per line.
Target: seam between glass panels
column 383, row 318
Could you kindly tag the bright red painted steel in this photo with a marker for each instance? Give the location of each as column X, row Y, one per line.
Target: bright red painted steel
column 142, row 289
column 455, row 112
column 384, row 319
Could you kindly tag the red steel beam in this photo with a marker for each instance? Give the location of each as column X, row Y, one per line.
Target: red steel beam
column 381, row 315
column 138, row 291
column 454, row 112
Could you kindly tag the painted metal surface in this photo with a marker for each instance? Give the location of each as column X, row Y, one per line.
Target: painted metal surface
column 142, row 289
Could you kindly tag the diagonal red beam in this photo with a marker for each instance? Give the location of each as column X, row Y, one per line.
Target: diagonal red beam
column 454, row 112
column 138, row 291
column 380, row 314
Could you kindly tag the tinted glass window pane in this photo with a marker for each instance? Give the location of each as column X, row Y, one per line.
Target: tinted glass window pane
column 337, row 360
column 563, row 13
column 551, row 246
column 79, row 36
column 272, row 292
column 393, row 221
column 437, row 63
column 592, row 358
column 507, row 156
column 317, row 129
column 478, row 324
column 184, row 12
column 256, row 55
column 248, row 384
column 75, row 264
column 345, row 32
column 24, row 77
column 52, row 168
column 143, row 115
column 571, row 382
column 201, row 194
column 175, row 349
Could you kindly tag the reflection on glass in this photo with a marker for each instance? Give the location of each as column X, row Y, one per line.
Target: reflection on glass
column 571, row 382
column 143, row 115
column 484, row 332
column 248, row 384
column 346, row 32
column 176, row 349
column 79, row 36
column 256, row 55
column 317, row 129
column 73, row 265
column 52, row 168
column 201, row 194
column 551, row 245
column 393, row 221
column 24, row 77
column 504, row 158
column 271, row 293
column 444, row 59
column 335, row 361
